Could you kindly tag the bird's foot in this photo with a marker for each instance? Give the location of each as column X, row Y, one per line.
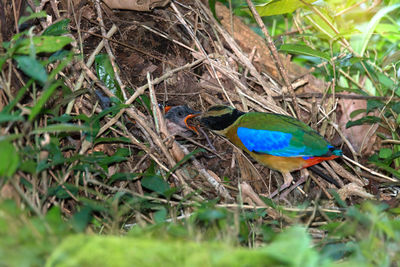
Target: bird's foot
column 288, row 179
column 304, row 174
column 294, row 186
column 280, row 189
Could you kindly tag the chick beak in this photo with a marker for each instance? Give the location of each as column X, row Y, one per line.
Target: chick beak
column 190, row 116
column 166, row 109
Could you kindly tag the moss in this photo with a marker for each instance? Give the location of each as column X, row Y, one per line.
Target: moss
column 292, row 248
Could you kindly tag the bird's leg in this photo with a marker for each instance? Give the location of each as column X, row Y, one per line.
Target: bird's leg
column 304, row 174
column 287, row 181
column 303, row 177
column 294, row 186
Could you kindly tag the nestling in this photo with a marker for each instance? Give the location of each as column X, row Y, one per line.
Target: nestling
column 176, row 120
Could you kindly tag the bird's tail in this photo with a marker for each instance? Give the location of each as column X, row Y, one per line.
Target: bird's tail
column 335, row 151
column 324, row 176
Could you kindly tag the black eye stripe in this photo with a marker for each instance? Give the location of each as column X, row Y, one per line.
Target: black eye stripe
column 219, row 123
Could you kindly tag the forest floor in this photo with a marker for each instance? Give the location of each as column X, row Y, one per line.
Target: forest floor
column 178, row 55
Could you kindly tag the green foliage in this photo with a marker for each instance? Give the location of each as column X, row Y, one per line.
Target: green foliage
column 363, row 120
column 40, row 44
column 58, row 28
column 106, row 74
column 41, row 162
column 9, row 159
column 361, row 41
column 376, row 231
column 303, row 50
column 87, row 251
column 356, row 45
column 278, row 7
column 369, row 35
column 36, row 155
column 366, row 236
column 211, row 4
column 26, row 240
column 32, row 68
column 156, row 184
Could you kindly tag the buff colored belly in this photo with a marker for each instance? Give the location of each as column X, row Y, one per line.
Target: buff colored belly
column 282, row 164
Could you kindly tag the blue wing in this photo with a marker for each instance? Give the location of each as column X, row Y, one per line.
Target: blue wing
column 270, row 142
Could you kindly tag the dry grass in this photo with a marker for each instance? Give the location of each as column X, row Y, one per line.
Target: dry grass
column 177, row 55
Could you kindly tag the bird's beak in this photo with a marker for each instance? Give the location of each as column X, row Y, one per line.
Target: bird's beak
column 190, row 116
column 166, row 109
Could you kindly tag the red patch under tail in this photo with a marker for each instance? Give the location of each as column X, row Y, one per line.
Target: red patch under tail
column 315, row 160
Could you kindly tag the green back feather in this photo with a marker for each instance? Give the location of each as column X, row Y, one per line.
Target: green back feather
column 302, row 134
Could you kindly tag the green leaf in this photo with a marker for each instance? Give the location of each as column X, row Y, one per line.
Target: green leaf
column 356, row 112
column 63, row 118
column 41, row 14
column 364, row 120
column 58, row 28
column 277, row 7
column 155, row 183
column 113, row 110
column 10, row 137
column 395, row 211
column 43, row 44
column 112, row 140
column 59, row 55
column 4, row 117
column 395, row 106
column 211, row 214
column 63, row 191
column 383, row 166
column 303, row 50
column 385, row 153
column 81, row 219
column 9, row 159
column 145, row 101
column 211, row 4
column 28, row 166
column 119, row 156
column 3, row 60
column 123, row 152
column 360, row 42
column 322, row 26
column 106, row 74
column 374, row 104
column 32, row 67
column 43, row 99
column 385, row 81
column 160, row 215
column 298, row 242
column 62, row 127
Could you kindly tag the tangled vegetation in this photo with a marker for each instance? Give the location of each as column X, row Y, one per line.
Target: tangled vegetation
column 91, row 176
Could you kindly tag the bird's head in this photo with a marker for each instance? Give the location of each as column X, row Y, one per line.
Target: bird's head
column 219, row 117
column 177, row 117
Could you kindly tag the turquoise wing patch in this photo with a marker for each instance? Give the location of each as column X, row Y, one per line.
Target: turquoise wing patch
column 269, row 142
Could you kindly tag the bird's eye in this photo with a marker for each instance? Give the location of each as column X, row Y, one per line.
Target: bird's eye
column 180, row 113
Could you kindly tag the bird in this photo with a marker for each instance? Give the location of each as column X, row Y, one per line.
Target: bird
column 176, row 120
column 277, row 141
